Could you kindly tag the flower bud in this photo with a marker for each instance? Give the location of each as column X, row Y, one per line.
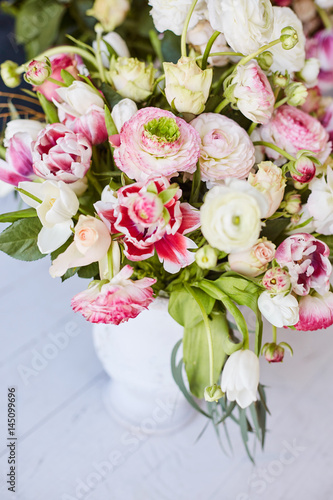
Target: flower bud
column 265, row 60
column 110, row 13
column 280, row 80
column 206, row 257
column 292, row 203
column 304, row 170
column 38, row 71
column 187, row 86
column 289, row 37
column 8, row 73
column 132, row 78
column 296, row 93
column 213, row 393
column 274, row 353
column 276, row 280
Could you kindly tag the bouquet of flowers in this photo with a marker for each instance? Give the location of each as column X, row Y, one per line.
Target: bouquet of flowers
column 200, row 172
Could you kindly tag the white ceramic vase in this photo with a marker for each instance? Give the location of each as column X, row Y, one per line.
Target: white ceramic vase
column 136, row 355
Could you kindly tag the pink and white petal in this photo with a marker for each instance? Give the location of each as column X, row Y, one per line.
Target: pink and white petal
column 49, row 239
column 172, row 250
column 8, row 175
column 191, row 218
column 136, row 254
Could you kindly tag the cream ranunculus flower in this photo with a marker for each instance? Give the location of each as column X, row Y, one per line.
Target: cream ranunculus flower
column 269, row 181
column 254, row 261
column 58, row 205
column 171, row 14
column 187, row 86
column 230, row 216
column 246, row 24
column 226, row 149
column 110, row 13
column 132, row 78
column 293, row 59
column 280, row 310
column 240, row 377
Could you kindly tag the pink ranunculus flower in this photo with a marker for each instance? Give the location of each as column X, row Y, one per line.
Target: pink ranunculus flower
column 58, row 62
column 151, row 217
column 293, row 130
column 315, row 312
column 226, row 149
column 321, row 47
column 254, row 261
column 307, row 260
column 253, row 92
column 156, row 142
column 19, row 137
column 116, row 301
column 60, row 154
column 271, row 183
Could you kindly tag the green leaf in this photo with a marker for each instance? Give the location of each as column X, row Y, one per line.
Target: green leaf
column 241, row 290
column 112, row 97
column 170, row 47
column 19, row 214
column 67, row 77
column 196, row 184
column 88, row 272
column 20, row 240
column 49, row 109
column 196, row 354
column 185, row 310
column 110, row 125
column 167, row 195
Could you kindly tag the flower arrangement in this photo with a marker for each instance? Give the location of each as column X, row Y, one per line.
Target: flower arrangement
column 206, row 178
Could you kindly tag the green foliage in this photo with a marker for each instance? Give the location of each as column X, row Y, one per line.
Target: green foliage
column 185, row 310
column 112, row 97
column 67, row 77
column 49, row 109
column 20, row 239
column 170, row 47
column 19, row 214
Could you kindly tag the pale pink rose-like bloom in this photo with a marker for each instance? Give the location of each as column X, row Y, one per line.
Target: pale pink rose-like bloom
column 58, row 62
column 140, row 153
column 254, row 261
column 276, row 280
column 269, row 181
column 253, row 92
column 60, row 154
column 149, row 224
column 226, row 149
column 91, row 243
column 117, row 301
column 307, row 260
column 321, row 47
column 315, row 312
column 292, row 130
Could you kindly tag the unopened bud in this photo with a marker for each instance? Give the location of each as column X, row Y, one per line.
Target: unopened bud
column 292, row 203
column 274, row 353
column 213, row 393
column 296, row 93
column 303, row 170
column 265, row 60
column 8, row 71
column 289, row 37
column 280, row 80
column 206, row 257
column 38, row 71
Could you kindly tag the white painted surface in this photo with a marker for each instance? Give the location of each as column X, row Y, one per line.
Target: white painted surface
column 69, row 448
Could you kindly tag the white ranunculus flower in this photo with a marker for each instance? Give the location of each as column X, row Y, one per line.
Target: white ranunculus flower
column 226, row 149
column 20, row 126
column 293, row 59
column 320, row 203
column 59, row 205
column 230, row 216
column 240, row 377
column 122, row 112
column 171, row 14
column 246, row 24
column 324, row 4
column 280, row 310
column 116, row 42
column 199, row 36
column 78, row 98
column 310, row 72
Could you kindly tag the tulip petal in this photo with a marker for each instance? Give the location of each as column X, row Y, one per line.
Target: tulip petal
column 49, row 239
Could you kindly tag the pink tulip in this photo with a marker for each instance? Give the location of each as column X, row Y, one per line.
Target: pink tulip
column 58, row 62
column 117, row 301
column 91, row 125
column 60, row 154
column 315, row 312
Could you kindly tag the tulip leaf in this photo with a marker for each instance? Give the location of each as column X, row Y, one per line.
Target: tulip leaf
column 20, row 214
column 184, row 308
column 49, row 109
column 20, row 239
column 196, row 354
column 112, row 97
column 90, row 271
column 67, row 77
column 110, row 125
column 241, row 290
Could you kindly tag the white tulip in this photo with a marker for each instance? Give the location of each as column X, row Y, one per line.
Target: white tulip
column 78, row 98
column 122, row 112
column 230, row 216
column 58, row 205
column 30, row 127
column 280, row 310
column 116, row 42
column 240, row 377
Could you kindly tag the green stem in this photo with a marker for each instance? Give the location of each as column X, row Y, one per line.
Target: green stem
column 213, row 54
column 62, row 49
column 281, row 102
column 324, row 17
column 110, row 263
column 185, row 28
column 208, row 333
column 23, row 191
column 251, row 128
column 2, row 152
column 160, row 79
column 207, row 49
column 276, row 148
column 222, row 105
column 99, row 56
column 255, row 54
column 274, row 333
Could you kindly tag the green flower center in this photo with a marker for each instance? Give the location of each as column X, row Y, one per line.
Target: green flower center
column 163, row 129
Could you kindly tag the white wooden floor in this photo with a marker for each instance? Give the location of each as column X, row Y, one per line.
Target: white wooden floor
column 70, row 449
